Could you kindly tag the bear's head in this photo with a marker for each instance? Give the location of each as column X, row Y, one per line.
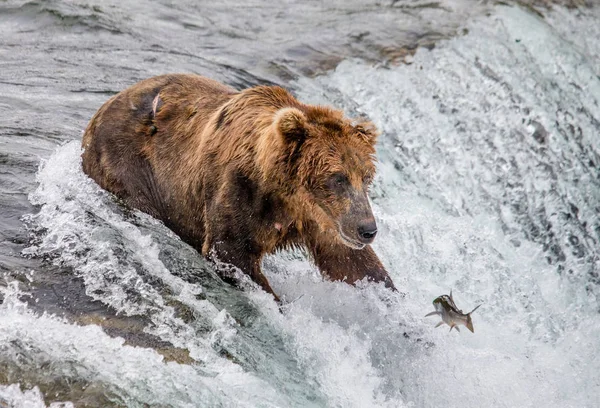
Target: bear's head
column 329, row 162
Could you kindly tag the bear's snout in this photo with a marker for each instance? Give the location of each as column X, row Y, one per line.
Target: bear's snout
column 358, row 227
column 367, row 230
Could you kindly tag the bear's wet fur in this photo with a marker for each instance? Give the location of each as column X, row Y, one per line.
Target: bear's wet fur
column 241, row 174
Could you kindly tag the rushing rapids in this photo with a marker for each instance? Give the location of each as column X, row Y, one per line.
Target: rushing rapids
column 488, row 184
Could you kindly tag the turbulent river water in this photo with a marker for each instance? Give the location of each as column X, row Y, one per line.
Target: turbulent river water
column 488, row 184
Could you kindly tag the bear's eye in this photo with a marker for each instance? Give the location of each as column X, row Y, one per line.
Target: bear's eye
column 338, row 180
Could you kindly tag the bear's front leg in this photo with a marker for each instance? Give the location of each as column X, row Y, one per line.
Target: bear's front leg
column 228, row 239
column 340, row 262
column 238, row 256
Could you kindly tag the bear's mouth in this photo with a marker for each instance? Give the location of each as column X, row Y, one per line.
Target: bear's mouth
column 349, row 242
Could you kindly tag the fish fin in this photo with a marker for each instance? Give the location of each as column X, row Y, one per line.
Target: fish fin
column 476, row 307
column 451, row 298
column 432, row 313
column 457, row 329
column 438, row 325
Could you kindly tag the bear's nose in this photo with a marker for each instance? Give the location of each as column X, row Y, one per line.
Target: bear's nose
column 367, row 231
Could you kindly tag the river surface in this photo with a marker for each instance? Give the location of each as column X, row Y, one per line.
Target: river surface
column 488, row 185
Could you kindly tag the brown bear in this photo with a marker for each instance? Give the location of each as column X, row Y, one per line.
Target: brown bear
column 238, row 175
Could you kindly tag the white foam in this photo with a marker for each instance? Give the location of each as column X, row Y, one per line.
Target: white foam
column 12, row 396
column 457, row 139
column 82, row 227
column 137, row 375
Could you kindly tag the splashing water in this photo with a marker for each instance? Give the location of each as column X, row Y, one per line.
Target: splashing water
column 12, row 396
column 487, row 185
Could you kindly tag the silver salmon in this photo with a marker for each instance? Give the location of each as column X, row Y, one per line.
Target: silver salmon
column 451, row 315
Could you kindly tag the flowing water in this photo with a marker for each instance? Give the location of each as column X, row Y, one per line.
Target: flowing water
column 488, row 184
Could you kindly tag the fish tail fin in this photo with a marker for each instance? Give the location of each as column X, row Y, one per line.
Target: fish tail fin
column 469, row 321
column 432, row 314
column 470, row 324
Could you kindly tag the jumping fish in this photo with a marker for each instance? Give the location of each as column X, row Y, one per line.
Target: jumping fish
column 451, row 315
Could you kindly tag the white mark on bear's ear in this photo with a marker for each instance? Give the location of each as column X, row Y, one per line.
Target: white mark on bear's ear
column 291, row 123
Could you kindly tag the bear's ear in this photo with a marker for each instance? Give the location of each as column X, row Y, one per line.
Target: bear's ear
column 368, row 131
column 291, row 124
